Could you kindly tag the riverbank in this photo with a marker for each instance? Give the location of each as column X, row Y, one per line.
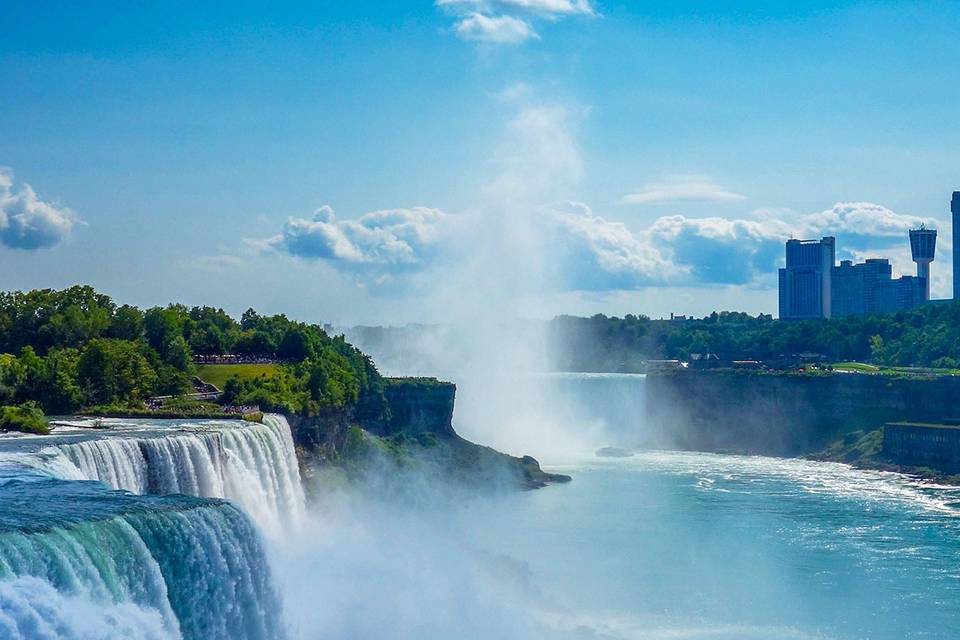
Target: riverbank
column 827, row 416
column 864, row 450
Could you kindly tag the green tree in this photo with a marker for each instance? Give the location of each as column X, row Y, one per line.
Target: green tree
column 60, row 391
column 161, row 326
column 12, row 376
column 114, row 371
column 126, row 324
column 876, row 347
column 176, row 353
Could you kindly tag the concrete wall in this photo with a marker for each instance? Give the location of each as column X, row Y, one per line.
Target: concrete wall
column 923, row 445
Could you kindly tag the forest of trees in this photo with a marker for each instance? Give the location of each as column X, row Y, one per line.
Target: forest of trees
column 65, row 350
column 928, row 336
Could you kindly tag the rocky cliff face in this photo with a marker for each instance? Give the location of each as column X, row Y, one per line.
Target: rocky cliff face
column 785, row 414
column 323, row 434
column 418, row 405
column 416, row 434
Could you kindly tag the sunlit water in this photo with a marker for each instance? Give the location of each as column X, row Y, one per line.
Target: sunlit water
column 660, row 545
column 686, row 545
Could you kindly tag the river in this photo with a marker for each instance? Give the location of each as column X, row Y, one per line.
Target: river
column 690, row 545
column 671, row 545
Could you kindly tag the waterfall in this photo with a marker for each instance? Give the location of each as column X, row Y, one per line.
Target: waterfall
column 78, row 560
column 33, row 609
column 148, row 549
column 251, row 464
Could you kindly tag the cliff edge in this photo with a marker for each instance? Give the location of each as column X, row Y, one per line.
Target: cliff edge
column 414, row 438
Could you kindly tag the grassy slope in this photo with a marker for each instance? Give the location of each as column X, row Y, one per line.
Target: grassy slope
column 864, row 449
column 218, row 374
column 862, row 367
column 856, row 366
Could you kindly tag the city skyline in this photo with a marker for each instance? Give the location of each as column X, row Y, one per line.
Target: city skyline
column 583, row 153
column 811, row 285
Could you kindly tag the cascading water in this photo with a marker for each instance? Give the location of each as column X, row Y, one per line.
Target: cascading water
column 251, row 464
column 80, row 560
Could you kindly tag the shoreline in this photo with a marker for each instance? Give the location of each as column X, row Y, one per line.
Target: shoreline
column 924, row 475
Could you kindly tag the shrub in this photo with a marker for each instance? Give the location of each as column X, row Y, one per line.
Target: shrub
column 26, row 418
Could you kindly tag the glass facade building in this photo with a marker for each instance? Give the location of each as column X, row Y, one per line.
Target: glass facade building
column 805, row 282
column 854, row 286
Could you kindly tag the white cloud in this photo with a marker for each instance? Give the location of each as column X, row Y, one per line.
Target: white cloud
column 719, row 250
column 552, row 7
column 862, row 220
column 543, row 8
column 496, row 29
column 26, row 221
column 508, row 21
column 397, row 238
column 592, row 253
column 749, row 250
column 578, row 250
column 682, row 189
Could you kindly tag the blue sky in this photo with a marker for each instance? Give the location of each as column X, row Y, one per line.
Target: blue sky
column 376, row 162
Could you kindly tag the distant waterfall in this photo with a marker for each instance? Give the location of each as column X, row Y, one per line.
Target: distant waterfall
column 80, row 561
column 253, row 465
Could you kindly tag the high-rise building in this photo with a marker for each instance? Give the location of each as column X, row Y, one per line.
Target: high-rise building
column 923, row 246
column 812, row 286
column 955, row 210
column 854, row 286
column 805, row 282
column 906, row 292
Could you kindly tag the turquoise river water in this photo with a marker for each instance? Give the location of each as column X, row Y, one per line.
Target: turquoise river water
column 688, row 545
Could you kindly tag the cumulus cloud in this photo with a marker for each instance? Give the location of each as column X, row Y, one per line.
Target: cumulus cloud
column 591, row 253
column 584, row 251
column 395, row 238
column 682, row 189
column 863, row 223
column 748, row 251
column 719, row 250
column 575, row 249
column 508, row 21
column 496, row 29
column 26, row 221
